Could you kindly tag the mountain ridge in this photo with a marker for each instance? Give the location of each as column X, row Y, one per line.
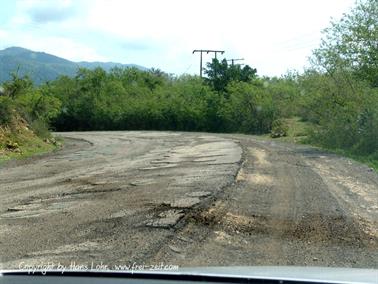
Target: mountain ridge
column 42, row 67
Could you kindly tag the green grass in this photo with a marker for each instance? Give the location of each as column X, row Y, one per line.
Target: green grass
column 368, row 160
column 33, row 147
column 29, row 144
column 297, row 133
column 297, row 130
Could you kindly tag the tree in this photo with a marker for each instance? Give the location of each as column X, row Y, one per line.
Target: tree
column 17, row 85
column 249, row 108
column 351, row 44
column 220, row 74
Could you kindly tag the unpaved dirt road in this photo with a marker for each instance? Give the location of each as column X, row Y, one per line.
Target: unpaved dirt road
column 187, row 199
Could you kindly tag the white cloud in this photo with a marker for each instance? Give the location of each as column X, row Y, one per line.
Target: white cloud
column 60, row 46
column 3, row 34
column 271, row 35
column 63, row 47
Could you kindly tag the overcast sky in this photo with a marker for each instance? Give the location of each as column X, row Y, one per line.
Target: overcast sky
column 271, row 35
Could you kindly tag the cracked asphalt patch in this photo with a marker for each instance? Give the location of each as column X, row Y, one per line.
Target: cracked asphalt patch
column 109, row 189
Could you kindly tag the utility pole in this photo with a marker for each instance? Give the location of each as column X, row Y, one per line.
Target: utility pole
column 235, row 59
column 207, row 52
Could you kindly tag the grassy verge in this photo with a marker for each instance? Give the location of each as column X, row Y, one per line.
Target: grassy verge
column 21, row 142
column 368, row 160
column 296, row 130
column 296, row 133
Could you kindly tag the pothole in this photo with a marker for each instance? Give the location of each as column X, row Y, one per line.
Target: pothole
column 39, row 208
column 172, row 211
column 187, row 202
column 166, row 219
column 199, row 194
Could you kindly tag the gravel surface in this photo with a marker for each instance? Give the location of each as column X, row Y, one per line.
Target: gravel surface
column 187, row 199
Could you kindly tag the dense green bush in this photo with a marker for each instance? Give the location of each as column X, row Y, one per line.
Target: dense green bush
column 34, row 105
column 40, row 128
column 131, row 99
column 279, row 128
column 345, row 110
column 340, row 92
column 248, row 109
column 6, row 108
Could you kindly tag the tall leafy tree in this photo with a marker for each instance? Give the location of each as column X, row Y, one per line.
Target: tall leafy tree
column 220, row 74
column 352, row 43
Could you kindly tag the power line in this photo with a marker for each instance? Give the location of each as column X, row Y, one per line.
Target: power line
column 186, row 70
column 207, row 52
column 235, row 59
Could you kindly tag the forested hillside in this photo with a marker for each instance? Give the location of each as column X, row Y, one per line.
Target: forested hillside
column 337, row 98
column 42, row 67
